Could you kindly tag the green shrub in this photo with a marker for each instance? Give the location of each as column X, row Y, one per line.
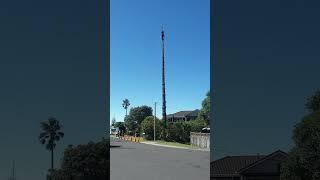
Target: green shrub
column 180, row 131
column 197, row 125
column 175, row 130
column 147, row 127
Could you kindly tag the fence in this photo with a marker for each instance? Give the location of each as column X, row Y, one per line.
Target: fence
column 201, row 140
column 131, row 138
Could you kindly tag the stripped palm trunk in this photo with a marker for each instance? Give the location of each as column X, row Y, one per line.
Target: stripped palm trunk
column 164, row 114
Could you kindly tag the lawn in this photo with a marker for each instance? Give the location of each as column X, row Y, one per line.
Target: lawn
column 174, row 144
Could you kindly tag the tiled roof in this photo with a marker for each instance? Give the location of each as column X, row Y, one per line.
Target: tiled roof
column 184, row 113
column 230, row 165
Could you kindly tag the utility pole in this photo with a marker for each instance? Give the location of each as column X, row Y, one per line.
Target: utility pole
column 164, row 114
column 13, row 177
column 154, row 121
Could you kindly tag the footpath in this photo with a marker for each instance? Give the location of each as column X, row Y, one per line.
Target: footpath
column 157, row 143
column 173, row 146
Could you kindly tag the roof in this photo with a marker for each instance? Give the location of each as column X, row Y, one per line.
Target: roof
column 193, row 113
column 262, row 159
column 233, row 165
column 230, row 165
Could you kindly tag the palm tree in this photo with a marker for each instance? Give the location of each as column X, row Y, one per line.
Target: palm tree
column 125, row 105
column 164, row 113
column 51, row 133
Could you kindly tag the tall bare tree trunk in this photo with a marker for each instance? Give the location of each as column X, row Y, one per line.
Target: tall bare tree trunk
column 164, row 114
column 52, row 159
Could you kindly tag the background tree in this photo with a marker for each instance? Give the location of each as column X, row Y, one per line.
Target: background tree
column 197, row 125
column 313, row 102
column 130, row 124
column 125, row 105
column 51, row 133
column 121, row 127
column 304, row 159
column 113, row 122
column 180, row 131
column 136, row 116
column 204, row 113
column 147, row 126
column 88, row 160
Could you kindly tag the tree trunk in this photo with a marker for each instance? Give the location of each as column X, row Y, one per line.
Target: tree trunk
column 164, row 114
column 52, row 159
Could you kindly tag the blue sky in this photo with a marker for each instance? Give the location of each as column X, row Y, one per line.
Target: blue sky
column 135, row 47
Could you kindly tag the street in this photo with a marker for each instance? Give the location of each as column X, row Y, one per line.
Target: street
column 136, row 161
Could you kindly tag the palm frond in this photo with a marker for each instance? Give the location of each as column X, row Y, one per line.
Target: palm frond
column 44, row 126
column 50, row 133
column 42, row 141
column 43, row 134
column 61, row 134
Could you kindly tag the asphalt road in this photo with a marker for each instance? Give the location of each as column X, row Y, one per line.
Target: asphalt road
column 134, row 161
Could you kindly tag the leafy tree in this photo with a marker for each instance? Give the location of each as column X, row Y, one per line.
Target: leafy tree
column 147, row 126
column 177, row 131
column 304, row 159
column 121, row 126
column 130, row 124
column 197, row 125
column 51, row 133
column 89, row 160
column 204, row 113
column 113, row 122
column 180, row 131
column 313, row 102
column 125, row 105
column 136, row 116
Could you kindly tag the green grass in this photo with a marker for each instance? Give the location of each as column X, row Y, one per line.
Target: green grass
column 174, row 144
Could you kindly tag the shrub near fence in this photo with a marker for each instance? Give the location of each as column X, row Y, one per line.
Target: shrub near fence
column 201, row 140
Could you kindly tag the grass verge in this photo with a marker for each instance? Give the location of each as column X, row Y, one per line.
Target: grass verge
column 174, row 144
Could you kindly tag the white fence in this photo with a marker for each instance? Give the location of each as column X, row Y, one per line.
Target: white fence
column 201, row 140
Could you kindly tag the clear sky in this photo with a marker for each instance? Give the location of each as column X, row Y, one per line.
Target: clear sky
column 52, row 63
column 266, row 63
column 136, row 54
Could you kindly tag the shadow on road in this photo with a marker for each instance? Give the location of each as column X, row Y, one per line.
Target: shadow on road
column 115, row 146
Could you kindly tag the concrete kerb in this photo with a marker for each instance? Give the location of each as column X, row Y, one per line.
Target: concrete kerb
column 141, row 140
column 169, row 146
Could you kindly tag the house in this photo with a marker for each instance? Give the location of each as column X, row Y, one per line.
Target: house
column 183, row 116
column 114, row 130
column 257, row 167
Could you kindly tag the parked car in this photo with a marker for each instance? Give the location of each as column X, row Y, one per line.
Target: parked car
column 205, row 130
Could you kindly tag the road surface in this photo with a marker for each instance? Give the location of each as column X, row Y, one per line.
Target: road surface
column 135, row 161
